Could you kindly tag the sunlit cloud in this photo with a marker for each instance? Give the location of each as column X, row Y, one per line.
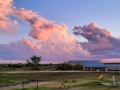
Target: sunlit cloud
column 51, row 40
column 101, row 43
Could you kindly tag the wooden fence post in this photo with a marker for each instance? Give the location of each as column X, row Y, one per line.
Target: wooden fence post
column 37, row 85
column 23, row 85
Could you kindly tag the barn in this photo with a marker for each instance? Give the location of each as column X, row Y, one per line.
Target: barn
column 112, row 66
column 89, row 65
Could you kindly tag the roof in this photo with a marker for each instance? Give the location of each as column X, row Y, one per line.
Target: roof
column 88, row 63
column 82, row 61
column 112, row 65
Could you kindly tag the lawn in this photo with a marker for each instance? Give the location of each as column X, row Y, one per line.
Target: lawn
column 72, row 80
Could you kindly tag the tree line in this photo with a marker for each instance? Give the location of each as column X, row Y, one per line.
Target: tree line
column 34, row 64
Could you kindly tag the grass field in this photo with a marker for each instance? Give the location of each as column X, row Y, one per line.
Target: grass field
column 72, row 80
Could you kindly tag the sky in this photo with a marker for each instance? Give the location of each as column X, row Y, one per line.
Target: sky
column 59, row 30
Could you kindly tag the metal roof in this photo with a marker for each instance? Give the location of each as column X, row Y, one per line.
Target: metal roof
column 88, row 63
column 112, row 65
column 82, row 61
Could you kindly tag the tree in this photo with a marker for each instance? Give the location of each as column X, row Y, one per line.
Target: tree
column 28, row 63
column 35, row 61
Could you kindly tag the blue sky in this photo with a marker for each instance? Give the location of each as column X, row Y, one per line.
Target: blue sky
column 105, row 13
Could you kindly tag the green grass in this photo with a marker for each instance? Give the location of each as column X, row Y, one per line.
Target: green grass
column 86, row 85
column 73, row 81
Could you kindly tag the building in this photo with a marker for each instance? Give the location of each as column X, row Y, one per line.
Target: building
column 96, row 65
column 112, row 66
column 89, row 65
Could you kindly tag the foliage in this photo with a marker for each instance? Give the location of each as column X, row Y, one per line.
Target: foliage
column 51, row 64
column 64, row 66
column 34, row 62
column 28, row 64
column 19, row 65
column 78, row 67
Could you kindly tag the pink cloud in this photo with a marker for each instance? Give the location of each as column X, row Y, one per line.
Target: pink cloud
column 55, row 42
column 101, row 44
column 6, row 9
column 50, row 51
column 41, row 28
column 51, row 40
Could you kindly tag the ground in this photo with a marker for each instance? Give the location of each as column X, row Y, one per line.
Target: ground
column 49, row 80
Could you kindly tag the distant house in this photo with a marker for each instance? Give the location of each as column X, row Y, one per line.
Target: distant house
column 112, row 66
column 89, row 65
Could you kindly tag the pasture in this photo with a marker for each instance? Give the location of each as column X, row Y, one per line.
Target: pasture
column 50, row 80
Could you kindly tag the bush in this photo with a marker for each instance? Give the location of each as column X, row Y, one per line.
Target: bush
column 9, row 65
column 35, row 68
column 29, row 64
column 78, row 67
column 51, row 64
column 16, row 65
column 64, row 66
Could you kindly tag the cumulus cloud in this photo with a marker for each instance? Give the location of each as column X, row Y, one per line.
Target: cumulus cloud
column 25, row 48
column 50, row 40
column 14, row 50
column 92, row 32
column 101, row 43
column 41, row 28
column 6, row 9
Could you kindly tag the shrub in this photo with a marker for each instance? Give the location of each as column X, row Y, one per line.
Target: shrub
column 64, row 66
column 78, row 67
column 16, row 65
